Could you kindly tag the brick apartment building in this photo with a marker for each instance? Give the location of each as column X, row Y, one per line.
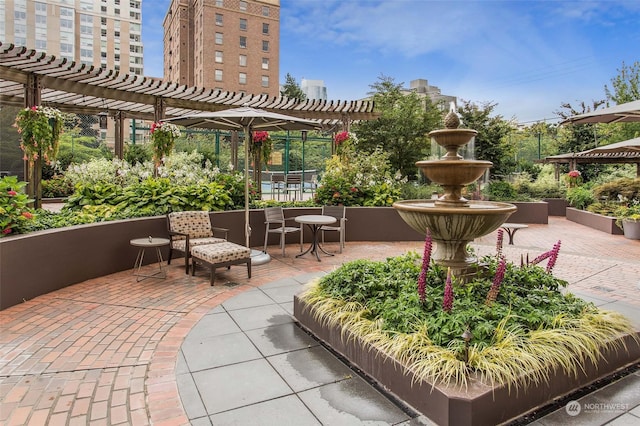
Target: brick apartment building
column 232, row 45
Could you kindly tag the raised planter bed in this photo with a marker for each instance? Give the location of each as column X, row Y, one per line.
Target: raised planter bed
column 592, row 220
column 557, row 206
column 530, row 212
column 479, row 404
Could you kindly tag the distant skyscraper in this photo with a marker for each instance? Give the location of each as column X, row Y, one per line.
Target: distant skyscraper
column 232, row 45
column 101, row 33
column 314, row 89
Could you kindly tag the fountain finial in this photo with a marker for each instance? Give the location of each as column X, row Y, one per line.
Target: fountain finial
column 451, row 120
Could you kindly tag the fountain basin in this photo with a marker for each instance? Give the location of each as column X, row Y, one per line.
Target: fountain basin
column 452, row 228
column 452, row 139
column 453, row 172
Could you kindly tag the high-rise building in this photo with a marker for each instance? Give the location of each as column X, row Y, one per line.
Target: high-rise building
column 232, row 45
column 101, row 33
column 314, row 89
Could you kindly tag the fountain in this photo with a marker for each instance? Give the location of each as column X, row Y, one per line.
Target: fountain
column 453, row 220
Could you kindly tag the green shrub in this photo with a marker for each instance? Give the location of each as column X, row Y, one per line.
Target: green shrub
column 620, row 190
column 57, row 186
column 580, row 197
column 14, row 212
column 500, row 191
column 357, row 180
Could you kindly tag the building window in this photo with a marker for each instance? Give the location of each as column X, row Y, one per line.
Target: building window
column 219, row 3
column 41, row 20
column 265, row 46
column 41, row 7
column 243, row 42
column 265, row 81
column 242, row 78
column 103, row 9
column 19, row 15
column 218, row 38
column 103, row 32
column 219, row 19
column 265, row 28
column 243, row 24
column 243, row 60
column 243, row 5
column 218, row 75
column 265, row 10
column 116, row 11
column 218, row 56
column 103, row 21
column 265, row 63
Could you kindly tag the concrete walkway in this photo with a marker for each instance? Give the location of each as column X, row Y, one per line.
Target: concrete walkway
column 111, row 351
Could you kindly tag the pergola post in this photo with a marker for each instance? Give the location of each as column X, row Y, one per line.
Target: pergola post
column 33, row 172
column 119, row 134
column 158, row 108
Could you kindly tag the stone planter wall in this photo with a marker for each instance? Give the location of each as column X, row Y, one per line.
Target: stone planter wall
column 596, row 221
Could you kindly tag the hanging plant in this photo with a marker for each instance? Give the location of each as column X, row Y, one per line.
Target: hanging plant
column 261, row 145
column 39, row 127
column 163, row 138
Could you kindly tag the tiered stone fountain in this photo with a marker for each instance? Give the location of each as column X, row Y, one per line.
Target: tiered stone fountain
column 453, row 220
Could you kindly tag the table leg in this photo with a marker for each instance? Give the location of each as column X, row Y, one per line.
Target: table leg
column 315, row 243
column 160, row 273
column 510, row 233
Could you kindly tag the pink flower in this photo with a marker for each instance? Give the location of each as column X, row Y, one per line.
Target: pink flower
column 574, row 173
column 553, row 257
column 447, row 302
column 540, row 258
column 499, row 243
column 426, row 260
column 6, row 231
column 497, row 281
column 12, row 193
column 27, row 215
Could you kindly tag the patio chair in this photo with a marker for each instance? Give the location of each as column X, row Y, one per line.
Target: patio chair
column 277, row 184
column 293, row 184
column 339, row 212
column 191, row 228
column 276, row 224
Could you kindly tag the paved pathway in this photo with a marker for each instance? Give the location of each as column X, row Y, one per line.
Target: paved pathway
column 111, row 351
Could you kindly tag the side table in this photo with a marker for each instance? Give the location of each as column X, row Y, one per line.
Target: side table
column 315, row 222
column 143, row 244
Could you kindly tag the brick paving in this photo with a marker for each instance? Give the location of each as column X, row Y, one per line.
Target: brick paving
column 103, row 352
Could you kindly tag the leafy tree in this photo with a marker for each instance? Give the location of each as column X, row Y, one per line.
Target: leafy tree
column 491, row 142
column 626, row 85
column 625, row 88
column 402, row 128
column 291, row 89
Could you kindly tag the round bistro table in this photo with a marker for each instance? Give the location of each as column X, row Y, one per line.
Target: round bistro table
column 315, row 223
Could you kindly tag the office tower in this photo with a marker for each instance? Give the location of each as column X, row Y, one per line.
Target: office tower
column 232, row 45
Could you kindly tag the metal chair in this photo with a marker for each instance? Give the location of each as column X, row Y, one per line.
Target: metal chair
column 293, row 183
column 339, row 212
column 276, row 224
column 189, row 229
column 277, row 184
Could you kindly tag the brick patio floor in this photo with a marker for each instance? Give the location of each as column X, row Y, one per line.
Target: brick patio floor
column 104, row 351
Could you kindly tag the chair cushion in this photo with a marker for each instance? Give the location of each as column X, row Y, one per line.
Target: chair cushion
column 220, row 252
column 180, row 244
column 197, row 224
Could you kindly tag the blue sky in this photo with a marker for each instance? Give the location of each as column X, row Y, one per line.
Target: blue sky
column 528, row 57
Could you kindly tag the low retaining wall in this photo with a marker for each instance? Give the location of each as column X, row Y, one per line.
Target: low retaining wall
column 479, row 404
column 592, row 220
column 41, row 262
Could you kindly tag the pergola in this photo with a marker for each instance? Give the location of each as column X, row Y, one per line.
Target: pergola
column 29, row 77
column 590, row 157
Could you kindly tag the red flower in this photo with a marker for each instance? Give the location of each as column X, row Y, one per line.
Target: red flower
column 354, row 189
column 341, row 137
column 260, row 136
column 6, row 231
column 12, row 193
column 27, row 215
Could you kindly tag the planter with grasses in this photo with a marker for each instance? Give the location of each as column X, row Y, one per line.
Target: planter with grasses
column 478, row 353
